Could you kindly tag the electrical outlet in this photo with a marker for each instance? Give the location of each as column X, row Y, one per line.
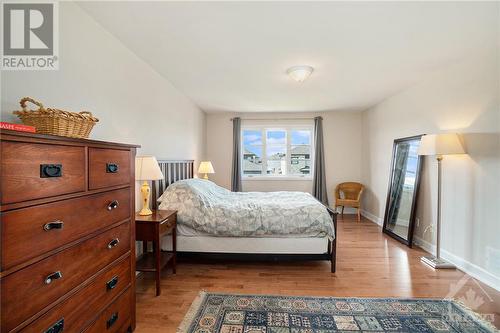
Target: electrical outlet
column 418, row 222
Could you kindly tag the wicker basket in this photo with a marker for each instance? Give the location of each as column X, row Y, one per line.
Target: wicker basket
column 56, row 122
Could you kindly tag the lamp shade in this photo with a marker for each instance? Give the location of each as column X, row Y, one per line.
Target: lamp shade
column 147, row 168
column 441, row 144
column 206, row 167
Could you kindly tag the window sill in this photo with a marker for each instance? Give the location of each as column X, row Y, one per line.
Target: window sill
column 287, row 178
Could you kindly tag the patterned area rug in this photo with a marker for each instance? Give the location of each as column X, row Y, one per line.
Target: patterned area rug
column 220, row 313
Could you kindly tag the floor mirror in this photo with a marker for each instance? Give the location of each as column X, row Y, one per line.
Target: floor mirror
column 404, row 181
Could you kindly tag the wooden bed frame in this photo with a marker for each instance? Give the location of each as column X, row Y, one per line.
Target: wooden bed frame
column 174, row 170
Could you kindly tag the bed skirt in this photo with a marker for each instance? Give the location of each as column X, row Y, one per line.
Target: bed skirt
column 247, row 245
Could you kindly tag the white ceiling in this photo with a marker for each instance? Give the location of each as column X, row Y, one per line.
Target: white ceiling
column 232, row 56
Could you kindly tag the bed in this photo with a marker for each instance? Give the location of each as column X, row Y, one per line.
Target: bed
column 216, row 223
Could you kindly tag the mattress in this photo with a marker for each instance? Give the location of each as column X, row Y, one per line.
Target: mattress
column 186, row 231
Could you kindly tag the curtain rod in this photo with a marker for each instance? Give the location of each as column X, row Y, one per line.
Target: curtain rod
column 278, row 119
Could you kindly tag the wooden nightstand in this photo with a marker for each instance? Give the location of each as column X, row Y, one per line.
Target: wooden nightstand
column 152, row 228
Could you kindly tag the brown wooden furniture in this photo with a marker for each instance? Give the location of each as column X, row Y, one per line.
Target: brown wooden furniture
column 67, row 240
column 177, row 170
column 349, row 194
column 152, row 228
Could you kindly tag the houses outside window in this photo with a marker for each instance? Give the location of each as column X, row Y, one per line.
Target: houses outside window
column 270, row 152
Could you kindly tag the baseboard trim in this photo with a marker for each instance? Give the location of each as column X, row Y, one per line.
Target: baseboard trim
column 467, row 267
column 347, row 210
column 373, row 218
column 424, row 245
column 473, row 270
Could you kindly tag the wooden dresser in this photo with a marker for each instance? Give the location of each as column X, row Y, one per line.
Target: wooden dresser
column 67, row 234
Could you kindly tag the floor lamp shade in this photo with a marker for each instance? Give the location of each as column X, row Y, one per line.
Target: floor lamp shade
column 439, row 145
column 146, row 168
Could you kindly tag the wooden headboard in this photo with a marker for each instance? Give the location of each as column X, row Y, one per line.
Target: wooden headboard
column 172, row 172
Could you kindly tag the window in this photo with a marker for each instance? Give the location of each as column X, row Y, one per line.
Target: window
column 277, row 151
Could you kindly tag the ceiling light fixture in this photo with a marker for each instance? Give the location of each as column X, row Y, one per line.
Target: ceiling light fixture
column 299, row 73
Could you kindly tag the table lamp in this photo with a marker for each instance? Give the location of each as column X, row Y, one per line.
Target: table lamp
column 146, row 168
column 439, row 145
column 206, row 168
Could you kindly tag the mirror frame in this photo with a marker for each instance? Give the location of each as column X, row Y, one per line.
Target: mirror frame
column 409, row 240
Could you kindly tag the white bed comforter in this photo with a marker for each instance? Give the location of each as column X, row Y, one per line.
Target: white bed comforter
column 211, row 209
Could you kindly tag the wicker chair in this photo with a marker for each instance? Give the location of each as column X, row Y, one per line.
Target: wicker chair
column 349, row 194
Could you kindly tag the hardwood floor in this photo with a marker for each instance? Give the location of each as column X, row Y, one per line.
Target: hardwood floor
column 369, row 264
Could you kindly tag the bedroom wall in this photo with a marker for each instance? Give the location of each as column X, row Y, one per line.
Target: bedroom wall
column 98, row 73
column 464, row 98
column 342, row 136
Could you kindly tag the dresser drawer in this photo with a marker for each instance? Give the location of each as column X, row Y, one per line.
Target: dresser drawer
column 109, row 167
column 30, row 290
column 77, row 312
column 51, row 225
column 33, row 171
column 114, row 317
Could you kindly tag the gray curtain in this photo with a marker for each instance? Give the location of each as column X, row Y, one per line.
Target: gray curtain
column 236, row 168
column 320, row 191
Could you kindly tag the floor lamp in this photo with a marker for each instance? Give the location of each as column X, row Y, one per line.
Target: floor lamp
column 439, row 145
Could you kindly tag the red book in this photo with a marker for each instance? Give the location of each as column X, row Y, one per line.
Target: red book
column 17, row 127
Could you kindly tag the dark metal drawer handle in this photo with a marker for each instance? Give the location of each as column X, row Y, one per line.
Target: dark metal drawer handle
column 111, row 284
column 111, row 167
column 50, row 170
column 113, row 243
column 53, row 225
column 112, row 320
column 57, row 327
column 113, row 205
column 54, row 276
